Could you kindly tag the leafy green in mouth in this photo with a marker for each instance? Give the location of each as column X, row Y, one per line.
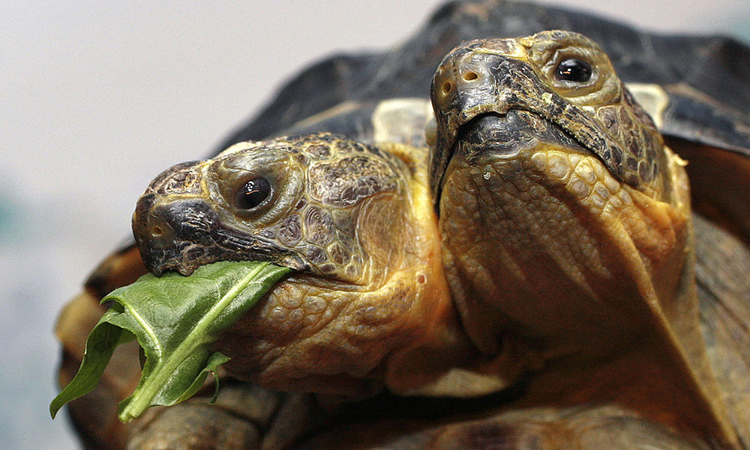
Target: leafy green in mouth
column 175, row 320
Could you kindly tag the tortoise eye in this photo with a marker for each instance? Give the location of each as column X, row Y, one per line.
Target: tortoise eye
column 252, row 193
column 573, row 70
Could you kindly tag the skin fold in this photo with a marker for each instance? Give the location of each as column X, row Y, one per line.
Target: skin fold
column 588, row 217
column 527, row 281
column 362, row 311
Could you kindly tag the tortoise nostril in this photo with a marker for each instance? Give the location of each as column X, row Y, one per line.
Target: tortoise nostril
column 156, row 231
column 447, row 87
column 470, row 76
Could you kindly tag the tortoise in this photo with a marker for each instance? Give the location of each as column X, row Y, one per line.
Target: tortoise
column 245, row 410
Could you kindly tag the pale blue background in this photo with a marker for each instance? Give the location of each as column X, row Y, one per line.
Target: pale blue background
column 96, row 98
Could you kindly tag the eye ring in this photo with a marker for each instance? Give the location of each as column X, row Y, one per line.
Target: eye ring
column 252, row 194
column 574, row 70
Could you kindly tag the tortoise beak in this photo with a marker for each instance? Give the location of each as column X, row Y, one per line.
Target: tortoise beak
column 172, row 223
column 492, row 78
column 175, row 235
column 471, row 82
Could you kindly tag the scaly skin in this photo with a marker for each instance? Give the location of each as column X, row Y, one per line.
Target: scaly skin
column 585, row 287
column 296, row 341
column 369, row 305
column 566, row 231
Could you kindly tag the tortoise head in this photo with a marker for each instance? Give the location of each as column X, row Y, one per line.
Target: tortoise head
column 504, row 95
column 543, row 154
column 368, row 303
column 566, row 223
column 296, row 203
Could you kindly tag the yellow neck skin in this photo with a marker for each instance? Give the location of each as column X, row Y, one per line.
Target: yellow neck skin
column 588, row 280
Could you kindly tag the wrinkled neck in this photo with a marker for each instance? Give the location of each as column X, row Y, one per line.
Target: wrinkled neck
column 589, row 284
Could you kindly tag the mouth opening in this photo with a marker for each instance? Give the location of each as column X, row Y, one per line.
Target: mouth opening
column 503, row 135
column 510, row 133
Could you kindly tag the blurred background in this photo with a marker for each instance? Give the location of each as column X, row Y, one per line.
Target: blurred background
column 96, row 98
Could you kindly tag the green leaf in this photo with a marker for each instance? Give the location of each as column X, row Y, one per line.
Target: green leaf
column 175, row 320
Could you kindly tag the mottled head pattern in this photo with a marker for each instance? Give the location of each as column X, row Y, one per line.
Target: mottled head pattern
column 567, row 81
column 292, row 201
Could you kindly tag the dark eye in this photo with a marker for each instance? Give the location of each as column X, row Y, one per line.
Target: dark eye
column 573, row 70
column 252, row 193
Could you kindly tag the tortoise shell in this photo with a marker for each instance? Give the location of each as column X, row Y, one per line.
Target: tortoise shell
column 699, row 108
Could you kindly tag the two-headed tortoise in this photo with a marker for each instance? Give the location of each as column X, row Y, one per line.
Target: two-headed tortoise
column 540, row 282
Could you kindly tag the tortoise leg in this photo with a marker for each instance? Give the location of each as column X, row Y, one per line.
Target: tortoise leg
column 196, row 427
column 243, row 417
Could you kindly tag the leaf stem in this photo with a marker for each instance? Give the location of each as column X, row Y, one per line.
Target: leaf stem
column 140, row 401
